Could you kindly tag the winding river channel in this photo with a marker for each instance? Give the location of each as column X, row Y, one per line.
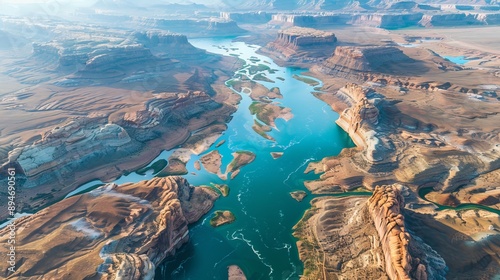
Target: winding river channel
column 260, row 241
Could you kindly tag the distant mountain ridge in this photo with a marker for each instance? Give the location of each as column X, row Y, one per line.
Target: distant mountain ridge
column 337, row 4
column 283, row 5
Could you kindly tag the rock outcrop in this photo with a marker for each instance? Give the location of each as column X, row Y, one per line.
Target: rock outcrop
column 112, row 232
column 248, row 17
column 363, row 59
column 360, row 121
column 301, row 45
column 59, row 157
column 385, row 207
column 297, row 37
column 449, row 20
column 387, row 21
column 424, row 15
column 168, row 45
column 358, row 238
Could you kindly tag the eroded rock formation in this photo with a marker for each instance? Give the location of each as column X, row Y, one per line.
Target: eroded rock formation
column 353, row 238
column 385, row 207
column 362, row 59
column 301, row 45
column 204, row 27
column 57, row 159
column 110, row 233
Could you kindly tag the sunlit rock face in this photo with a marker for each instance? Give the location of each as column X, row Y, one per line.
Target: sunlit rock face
column 112, row 232
column 301, row 45
column 365, row 238
column 360, row 59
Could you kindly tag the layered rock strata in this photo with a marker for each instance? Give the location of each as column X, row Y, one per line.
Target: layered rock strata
column 424, row 16
column 165, row 44
column 299, row 45
column 247, row 17
column 109, row 233
column 385, row 207
column 55, row 165
column 418, row 139
column 204, row 27
column 363, row 59
column 354, row 238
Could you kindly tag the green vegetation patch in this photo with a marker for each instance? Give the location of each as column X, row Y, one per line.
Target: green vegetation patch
column 262, row 77
column 254, row 69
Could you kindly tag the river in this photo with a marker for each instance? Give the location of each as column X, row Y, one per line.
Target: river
column 260, row 241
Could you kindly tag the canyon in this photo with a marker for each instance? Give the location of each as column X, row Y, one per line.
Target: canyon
column 402, row 183
column 111, row 232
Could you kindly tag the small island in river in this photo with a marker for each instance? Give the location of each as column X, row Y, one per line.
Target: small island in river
column 221, row 218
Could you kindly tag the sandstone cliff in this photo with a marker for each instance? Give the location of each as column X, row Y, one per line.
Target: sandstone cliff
column 168, row 45
column 113, row 232
column 356, row 238
column 54, row 165
column 363, row 59
column 385, row 207
column 301, row 45
column 422, row 15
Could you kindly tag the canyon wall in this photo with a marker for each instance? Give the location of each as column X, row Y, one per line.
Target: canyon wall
column 348, row 59
column 111, row 232
column 358, row 238
column 304, row 37
column 168, row 45
column 387, row 20
column 248, row 17
column 301, row 45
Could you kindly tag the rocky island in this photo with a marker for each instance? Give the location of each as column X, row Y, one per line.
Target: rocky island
column 221, row 218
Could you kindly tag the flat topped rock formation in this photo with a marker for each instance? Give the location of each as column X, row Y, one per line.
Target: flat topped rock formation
column 396, row 17
column 364, row 59
column 299, row 45
column 302, row 37
column 111, row 232
column 110, row 55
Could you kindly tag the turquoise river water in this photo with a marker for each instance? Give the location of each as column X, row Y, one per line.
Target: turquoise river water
column 260, row 241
